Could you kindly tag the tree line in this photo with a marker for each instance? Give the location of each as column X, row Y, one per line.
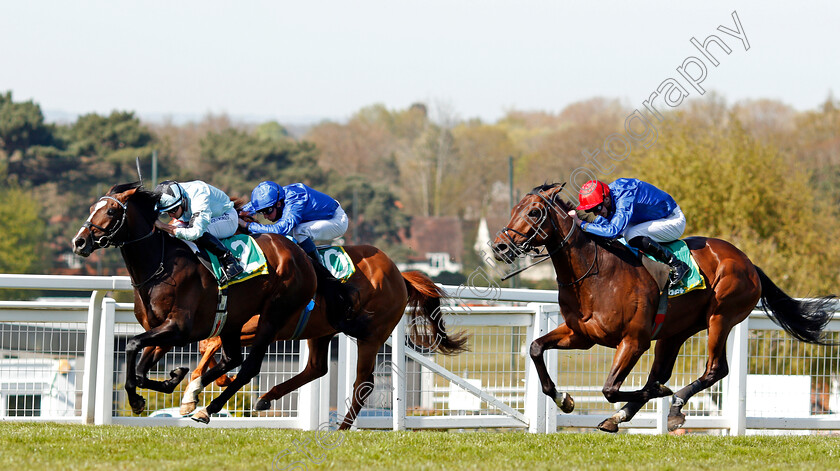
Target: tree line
column 757, row 173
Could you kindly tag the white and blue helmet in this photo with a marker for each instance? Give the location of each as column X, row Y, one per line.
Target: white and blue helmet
column 171, row 195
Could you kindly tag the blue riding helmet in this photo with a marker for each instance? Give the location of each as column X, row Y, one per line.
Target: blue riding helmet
column 171, row 195
column 265, row 195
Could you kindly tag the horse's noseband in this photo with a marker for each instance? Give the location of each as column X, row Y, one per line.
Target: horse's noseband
column 106, row 239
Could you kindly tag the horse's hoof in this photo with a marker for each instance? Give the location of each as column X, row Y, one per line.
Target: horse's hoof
column 609, row 425
column 262, row 404
column 201, row 416
column 178, row 374
column 675, row 421
column 565, row 402
column 665, row 391
column 138, row 405
column 187, row 408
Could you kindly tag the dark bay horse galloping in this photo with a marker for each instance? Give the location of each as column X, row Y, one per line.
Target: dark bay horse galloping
column 608, row 298
column 175, row 300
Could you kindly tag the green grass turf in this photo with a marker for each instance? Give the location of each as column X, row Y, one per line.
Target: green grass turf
column 52, row 447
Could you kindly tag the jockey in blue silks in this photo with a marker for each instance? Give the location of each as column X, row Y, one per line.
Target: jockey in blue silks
column 297, row 211
column 201, row 213
column 643, row 214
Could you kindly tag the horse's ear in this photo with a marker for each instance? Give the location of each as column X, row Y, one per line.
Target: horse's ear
column 126, row 194
column 555, row 196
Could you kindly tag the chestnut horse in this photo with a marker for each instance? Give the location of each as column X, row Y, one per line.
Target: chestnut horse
column 608, row 298
column 175, row 300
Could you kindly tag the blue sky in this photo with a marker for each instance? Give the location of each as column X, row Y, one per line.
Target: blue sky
column 305, row 61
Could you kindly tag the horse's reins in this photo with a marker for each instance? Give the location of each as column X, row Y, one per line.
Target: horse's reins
column 107, row 238
column 526, row 246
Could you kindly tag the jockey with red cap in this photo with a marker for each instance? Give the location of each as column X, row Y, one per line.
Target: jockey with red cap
column 643, row 214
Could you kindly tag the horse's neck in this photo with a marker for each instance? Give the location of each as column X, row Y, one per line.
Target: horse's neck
column 144, row 258
column 575, row 259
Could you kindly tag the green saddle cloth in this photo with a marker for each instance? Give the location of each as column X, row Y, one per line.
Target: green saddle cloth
column 691, row 281
column 249, row 254
column 337, row 261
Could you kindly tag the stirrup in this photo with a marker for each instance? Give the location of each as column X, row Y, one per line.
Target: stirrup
column 678, row 272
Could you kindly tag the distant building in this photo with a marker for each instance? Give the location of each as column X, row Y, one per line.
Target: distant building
column 488, row 228
column 437, row 244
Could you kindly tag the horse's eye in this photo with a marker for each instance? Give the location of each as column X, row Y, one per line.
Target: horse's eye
column 111, row 212
column 534, row 213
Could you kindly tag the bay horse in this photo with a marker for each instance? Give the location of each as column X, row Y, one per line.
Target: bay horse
column 175, row 300
column 607, row 297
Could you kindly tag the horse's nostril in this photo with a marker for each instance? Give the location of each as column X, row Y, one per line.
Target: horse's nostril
column 79, row 242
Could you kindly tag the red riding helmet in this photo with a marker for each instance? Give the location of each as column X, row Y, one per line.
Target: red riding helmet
column 592, row 193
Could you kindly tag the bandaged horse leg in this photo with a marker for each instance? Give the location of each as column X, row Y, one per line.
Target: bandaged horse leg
column 716, row 368
column 269, row 325
column 624, row 415
column 231, row 358
column 563, row 338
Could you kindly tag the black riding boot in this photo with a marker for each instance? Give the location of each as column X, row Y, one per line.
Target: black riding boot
column 649, row 246
column 309, row 247
column 230, row 266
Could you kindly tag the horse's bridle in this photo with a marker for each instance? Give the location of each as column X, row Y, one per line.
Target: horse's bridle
column 106, row 240
column 526, row 246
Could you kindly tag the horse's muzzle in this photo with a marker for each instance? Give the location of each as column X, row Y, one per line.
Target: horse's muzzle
column 503, row 252
column 82, row 246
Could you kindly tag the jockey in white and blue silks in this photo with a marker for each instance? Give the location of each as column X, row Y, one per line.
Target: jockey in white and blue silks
column 640, row 212
column 201, row 213
column 297, row 211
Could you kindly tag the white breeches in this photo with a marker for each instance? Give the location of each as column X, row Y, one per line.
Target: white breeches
column 326, row 229
column 667, row 229
column 225, row 225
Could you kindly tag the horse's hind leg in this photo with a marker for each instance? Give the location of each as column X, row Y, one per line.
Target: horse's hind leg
column 716, row 367
column 561, row 337
column 149, row 358
column 363, row 385
column 231, row 358
column 316, row 367
column 665, row 356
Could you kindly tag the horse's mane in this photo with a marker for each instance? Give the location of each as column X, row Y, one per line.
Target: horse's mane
column 145, row 198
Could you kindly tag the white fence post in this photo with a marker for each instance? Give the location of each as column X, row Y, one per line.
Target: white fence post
column 105, row 365
column 551, row 362
column 309, row 395
column 736, row 384
column 94, row 319
column 398, row 395
column 535, row 400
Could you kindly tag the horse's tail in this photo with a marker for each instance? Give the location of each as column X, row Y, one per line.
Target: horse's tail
column 429, row 331
column 804, row 320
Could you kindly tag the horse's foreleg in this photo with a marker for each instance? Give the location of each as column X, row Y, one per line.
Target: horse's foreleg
column 660, row 372
column 149, row 358
column 165, row 335
column 716, row 369
column 250, row 367
column 363, row 385
column 231, row 358
column 316, row 366
column 565, row 338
